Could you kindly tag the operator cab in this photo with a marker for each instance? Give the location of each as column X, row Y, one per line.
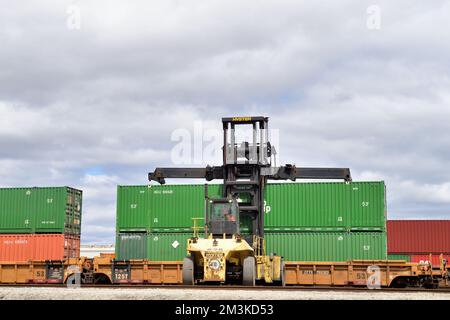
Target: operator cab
column 223, row 217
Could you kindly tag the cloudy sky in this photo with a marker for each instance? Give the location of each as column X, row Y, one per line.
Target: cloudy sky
column 91, row 92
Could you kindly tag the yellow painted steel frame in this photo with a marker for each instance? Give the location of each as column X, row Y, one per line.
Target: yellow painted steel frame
column 356, row 272
column 22, row 272
column 268, row 268
column 213, row 254
column 353, row 273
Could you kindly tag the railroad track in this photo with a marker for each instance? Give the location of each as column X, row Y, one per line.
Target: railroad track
column 234, row 287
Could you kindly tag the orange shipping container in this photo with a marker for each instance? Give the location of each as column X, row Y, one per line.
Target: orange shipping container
column 24, row 247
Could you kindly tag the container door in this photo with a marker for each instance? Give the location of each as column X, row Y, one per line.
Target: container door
column 132, row 246
column 77, row 209
column 73, row 211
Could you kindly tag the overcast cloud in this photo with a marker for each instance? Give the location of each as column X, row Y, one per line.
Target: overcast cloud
column 96, row 106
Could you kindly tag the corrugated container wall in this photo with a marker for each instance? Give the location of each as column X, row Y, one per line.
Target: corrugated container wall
column 153, row 246
column 418, row 236
column 131, row 246
column 425, row 258
column 161, row 208
column 417, row 258
column 327, row 246
column 167, row 246
column 399, row 257
column 24, row 247
column 356, row 206
column 40, row 210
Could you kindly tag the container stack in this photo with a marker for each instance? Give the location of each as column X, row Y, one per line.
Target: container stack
column 303, row 221
column 154, row 222
column 40, row 223
column 326, row 221
column 415, row 240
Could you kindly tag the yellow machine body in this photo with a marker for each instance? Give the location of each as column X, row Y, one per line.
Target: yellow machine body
column 213, row 255
column 269, row 268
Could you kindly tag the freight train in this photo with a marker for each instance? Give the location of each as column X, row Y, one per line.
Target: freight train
column 157, row 230
column 33, row 257
column 106, row 270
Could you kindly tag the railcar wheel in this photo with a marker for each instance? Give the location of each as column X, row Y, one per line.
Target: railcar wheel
column 249, row 271
column 188, row 271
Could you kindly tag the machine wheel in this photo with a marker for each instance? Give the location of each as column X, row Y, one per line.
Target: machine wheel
column 188, row 271
column 249, row 271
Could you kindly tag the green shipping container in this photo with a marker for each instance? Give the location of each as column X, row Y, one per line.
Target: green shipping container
column 152, row 246
column 405, row 257
column 40, row 210
column 166, row 208
column 325, row 206
column 298, row 246
column 321, row 207
column 327, row 246
column 131, row 246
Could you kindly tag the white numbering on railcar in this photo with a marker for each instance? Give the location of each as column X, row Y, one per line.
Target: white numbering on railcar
column 133, row 206
column 340, row 219
column 365, row 203
column 155, row 220
column 366, row 248
column 27, row 221
column 175, row 244
column 28, row 192
column 340, row 238
column 142, row 191
column 155, row 238
column 50, row 200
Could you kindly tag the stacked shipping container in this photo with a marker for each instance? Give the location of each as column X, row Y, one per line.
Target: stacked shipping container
column 326, row 221
column 155, row 222
column 415, row 240
column 40, row 223
column 322, row 221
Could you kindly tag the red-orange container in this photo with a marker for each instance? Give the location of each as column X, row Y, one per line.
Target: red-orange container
column 24, row 247
column 435, row 260
column 418, row 236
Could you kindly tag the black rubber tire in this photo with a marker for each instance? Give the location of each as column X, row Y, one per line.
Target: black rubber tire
column 188, row 271
column 249, row 271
